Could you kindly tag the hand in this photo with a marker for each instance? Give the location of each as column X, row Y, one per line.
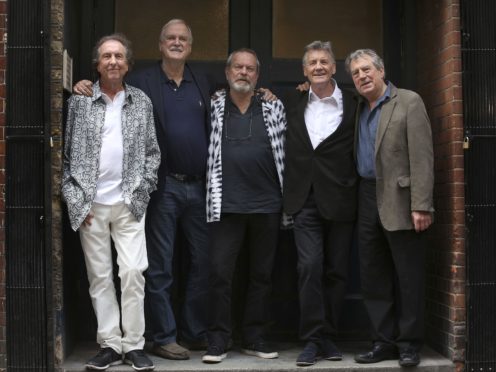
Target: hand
column 267, row 94
column 84, row 87
column 421, row 220
column 87, row 220
column 303, row 87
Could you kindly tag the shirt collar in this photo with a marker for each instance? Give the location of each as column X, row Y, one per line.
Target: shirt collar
column 336, row 94
column 387, row 93
column 186, row 76
column 97, row 92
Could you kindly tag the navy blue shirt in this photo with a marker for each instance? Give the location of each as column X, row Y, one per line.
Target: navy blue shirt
column 186, row 132
column 367, row 131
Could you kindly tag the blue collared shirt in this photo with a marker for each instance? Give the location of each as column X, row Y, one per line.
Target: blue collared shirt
column 367, row 131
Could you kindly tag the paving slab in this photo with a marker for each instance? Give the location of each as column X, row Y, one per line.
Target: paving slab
column 288, row 352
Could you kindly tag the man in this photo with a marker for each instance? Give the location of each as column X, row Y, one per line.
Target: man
column 320, row 193
column 395, row 163
column 244, row 185
column 181, row 102
column 110, row 164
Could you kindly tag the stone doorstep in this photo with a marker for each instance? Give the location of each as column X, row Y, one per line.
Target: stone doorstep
column 288, row 352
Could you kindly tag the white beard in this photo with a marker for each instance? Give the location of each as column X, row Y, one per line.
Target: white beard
column 241, row 87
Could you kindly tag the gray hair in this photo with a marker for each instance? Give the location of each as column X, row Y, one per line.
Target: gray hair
column 243, row 50
column 359, row 53
column 318, row 45
column 174, row 22
column 116, row 37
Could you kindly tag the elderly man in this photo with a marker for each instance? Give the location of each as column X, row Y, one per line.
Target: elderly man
column 181, row 102
column 244, row 185
column 320, row 193
column 110, row 164
column 395, row 163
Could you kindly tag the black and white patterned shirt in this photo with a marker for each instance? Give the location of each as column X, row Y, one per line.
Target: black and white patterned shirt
column 83, row 142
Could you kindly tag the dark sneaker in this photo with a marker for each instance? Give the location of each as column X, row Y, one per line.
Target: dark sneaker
column 329, row 350
column 259, row 349
column 214, row 354
column 408, row 357
column 138, row 360
column 308, row 356
column 105, row 358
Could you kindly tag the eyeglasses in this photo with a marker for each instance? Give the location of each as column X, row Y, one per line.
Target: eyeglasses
column 227, row 124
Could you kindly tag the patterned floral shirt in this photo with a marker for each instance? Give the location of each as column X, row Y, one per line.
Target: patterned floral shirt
column 83, row 141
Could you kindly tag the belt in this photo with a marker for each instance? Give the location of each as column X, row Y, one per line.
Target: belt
column 185, row 177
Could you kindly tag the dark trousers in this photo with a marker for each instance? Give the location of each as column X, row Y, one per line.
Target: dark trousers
column 228, row 236
column 392, row 275
column 323, row 249
column 178, row 203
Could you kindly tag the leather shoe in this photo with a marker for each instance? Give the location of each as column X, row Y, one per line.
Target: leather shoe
column 409, row 358
column 171, row 351
column 378, row 353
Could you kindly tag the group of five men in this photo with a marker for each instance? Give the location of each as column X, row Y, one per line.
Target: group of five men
column 326, row 159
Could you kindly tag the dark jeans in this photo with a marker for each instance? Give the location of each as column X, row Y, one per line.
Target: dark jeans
column 323, row 249
column 228, row 236
column 392, row 275
column 184, row 203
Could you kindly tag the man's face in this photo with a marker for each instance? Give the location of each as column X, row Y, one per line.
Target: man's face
column 319, row 67
column 368, row 79
column 112, row 62
column 175, row 43
column 242, row 74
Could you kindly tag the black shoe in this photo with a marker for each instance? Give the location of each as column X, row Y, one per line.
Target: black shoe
column 329, row 350
column 308, row 356
column 378, row 353
column 105, row 358
column 409, row 358
column 259, row 349
column 214, row 354
column 138, row 360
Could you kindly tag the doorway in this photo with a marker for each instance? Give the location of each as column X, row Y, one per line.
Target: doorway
column 277, row 30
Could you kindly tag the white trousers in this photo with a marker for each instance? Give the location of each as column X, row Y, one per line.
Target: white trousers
column 128, row 234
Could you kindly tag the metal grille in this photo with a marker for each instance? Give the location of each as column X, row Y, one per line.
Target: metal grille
column 27, row 187
column 479, row 99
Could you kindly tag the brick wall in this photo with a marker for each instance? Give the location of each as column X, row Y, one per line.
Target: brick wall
column 3, row 62
column 439, row 82
column 56, row 105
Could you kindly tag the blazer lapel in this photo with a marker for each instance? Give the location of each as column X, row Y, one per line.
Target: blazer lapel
column 300, row 120
column 349, row 109
column 384, row 120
